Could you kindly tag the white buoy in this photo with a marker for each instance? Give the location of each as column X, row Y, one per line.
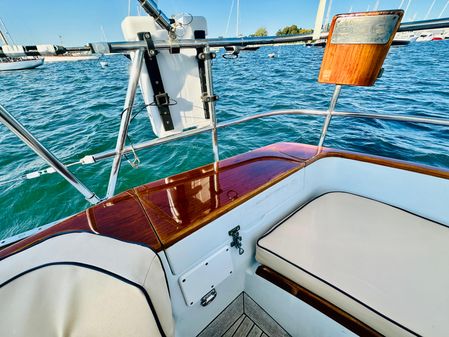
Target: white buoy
column 104, row 64
column 272, row 55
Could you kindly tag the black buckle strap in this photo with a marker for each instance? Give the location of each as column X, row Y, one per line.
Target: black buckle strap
column 161, row 98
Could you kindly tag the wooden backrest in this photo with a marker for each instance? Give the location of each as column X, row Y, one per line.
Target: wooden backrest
column 357, row 46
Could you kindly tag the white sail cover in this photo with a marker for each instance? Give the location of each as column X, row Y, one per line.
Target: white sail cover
column 180, row 76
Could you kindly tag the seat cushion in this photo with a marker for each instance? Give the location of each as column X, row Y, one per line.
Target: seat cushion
column 70, row 300
column 382, row 265
column 65, row 277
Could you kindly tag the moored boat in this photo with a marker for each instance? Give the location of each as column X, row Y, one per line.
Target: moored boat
column 425, row 37
column 20, row 63
column 71, row 57
column 10, row 61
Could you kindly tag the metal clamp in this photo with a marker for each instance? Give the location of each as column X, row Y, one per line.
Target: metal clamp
column 207, row 99
column 236, row 239
column 207, row 56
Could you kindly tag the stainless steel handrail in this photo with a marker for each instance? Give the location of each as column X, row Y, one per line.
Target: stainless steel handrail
column 305, row 112
column 264, row 40
column 12, row 124
column 133, row 82
column 127, row 46
column 144, row 145
column 424, row 24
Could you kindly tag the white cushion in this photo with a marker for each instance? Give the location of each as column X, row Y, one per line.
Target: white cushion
column 112, row 267
column 386, row 267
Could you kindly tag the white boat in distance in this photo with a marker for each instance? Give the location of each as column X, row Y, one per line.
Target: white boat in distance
column 11, row 62
column 20, row 63
column 425, row 37
column 72, row 57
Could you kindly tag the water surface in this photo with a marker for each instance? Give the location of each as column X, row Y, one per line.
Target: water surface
column 74, row 109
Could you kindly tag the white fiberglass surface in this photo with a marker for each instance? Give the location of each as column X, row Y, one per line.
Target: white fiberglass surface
column 421, row 194
column 417, row 193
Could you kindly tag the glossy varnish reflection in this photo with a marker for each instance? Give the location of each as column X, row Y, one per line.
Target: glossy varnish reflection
column 163, row 212
column 121, row 217
column 186, row 202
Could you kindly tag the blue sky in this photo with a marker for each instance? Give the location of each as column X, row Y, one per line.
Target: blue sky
column 79, row 21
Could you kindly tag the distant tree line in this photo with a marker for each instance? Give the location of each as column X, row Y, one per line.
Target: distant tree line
column 262, row 31
column 293, row 30
column 287, row 30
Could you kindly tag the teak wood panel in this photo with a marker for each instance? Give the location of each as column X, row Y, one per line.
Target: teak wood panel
column 121, row 217
column 317, row 302
column 163, row 212
column 184, row 203
column 355, row 64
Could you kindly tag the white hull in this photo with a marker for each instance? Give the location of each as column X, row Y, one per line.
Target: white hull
column 20, row 65
column 70, row 58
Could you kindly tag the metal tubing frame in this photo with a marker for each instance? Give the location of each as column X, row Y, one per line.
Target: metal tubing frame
column 118, row 47
column 12, row 124
column 157, row 141
column 151, row 8
column 127, row 46
column 331, row 109
column 248, row 41
column 136, row 67
column 211, row 102
column 150, row 143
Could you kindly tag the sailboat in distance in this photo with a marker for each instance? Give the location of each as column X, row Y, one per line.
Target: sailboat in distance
column 11, row 62
column 236, row 49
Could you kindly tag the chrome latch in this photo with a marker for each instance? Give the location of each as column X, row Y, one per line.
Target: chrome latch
column 236, row 239
column 209, row 297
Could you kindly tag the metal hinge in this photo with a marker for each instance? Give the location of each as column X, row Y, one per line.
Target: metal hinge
column 236, row 239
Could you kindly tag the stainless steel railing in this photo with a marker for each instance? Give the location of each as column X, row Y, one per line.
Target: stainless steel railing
column 303, row 112
column 127, row 46
column 20, row 131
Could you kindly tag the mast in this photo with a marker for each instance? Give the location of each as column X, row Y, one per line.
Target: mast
column 3, row 33
column 328, row 14
column 229, row 18
column 445, row 6
column 103, row 34
column 430, row 9
column 238, row 18
column 406, row 8
column 3, row 38
column 319, row 20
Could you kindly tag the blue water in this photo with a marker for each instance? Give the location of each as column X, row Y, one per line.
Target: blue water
column 74, row 109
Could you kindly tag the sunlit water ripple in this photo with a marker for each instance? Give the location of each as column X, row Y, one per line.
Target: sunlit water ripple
column 74, row 109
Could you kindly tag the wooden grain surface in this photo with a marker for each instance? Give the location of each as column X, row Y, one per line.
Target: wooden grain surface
column 121, row 217
column 184, row 203
column 163, row 212
column 354, row 64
